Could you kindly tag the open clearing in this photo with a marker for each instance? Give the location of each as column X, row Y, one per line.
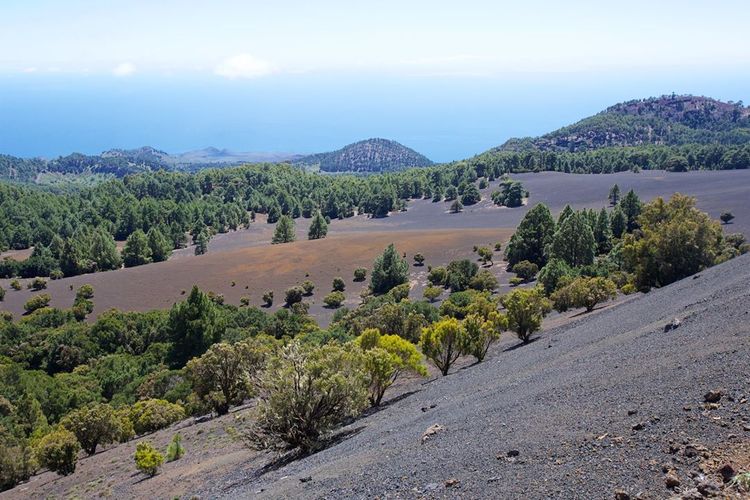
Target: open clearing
column 247, row 258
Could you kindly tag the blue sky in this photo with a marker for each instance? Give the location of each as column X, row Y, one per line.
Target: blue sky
column 447, row 78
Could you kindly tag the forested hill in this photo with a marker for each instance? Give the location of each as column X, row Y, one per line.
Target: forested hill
column 667, row 120
column 371, row 155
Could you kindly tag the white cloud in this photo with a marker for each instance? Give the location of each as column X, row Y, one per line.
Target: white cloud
column 243, row 66
column 124, row 69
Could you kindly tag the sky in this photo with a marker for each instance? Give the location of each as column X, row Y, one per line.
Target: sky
column 449, row 79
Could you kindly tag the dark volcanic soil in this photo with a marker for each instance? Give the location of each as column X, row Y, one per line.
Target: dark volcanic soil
column 590, row 407
column 606, row 401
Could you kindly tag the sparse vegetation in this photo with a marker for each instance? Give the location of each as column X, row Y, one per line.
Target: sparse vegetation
column 175, row 450
column 442, row 343
column 334, row 299
column 525, row 310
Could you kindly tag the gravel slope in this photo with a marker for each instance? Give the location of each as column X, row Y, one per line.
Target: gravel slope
column 591, row 407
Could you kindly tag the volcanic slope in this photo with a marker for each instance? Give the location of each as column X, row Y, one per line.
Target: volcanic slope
column 590, row 407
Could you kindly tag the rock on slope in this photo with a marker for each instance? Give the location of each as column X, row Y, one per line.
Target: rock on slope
column 610, row 401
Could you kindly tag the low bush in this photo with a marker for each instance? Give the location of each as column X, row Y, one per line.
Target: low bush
column 175, row 450
column 293, row 295
column 338, row 285
column 148, row 459
column 308, row 286
column 334, row 299
column 360, row 274
column 37, row 302
column 431, row 293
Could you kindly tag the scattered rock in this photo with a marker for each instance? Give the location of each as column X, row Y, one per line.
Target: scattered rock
column 512, row 453
column 493, row 479
column 727, row 472
column 306, row 479
column 621, row 495
column 675, row 323
column 671, row 480
column 431, row 486
column 639, row 426
column 746, row 427
column 632, row 412
column 709, row 488
column 451, row 483
column 203, row 418
column 426, row 408
column 690, row 451
column 713, row 396
column 431, row 431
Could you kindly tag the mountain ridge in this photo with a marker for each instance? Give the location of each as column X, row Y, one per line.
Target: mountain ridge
column 667, row 120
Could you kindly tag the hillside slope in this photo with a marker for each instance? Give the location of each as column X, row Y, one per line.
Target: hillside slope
column 371, row 155
column 666, row 120
column 603, row 403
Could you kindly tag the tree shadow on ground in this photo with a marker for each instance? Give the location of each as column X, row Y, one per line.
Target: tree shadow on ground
column 520, row 344
column 288, row 457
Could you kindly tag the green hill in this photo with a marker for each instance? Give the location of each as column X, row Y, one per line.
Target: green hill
column 668, row 120
column 371, row 155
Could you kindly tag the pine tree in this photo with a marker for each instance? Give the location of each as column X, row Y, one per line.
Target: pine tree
column 566, row 212
column 603, row 232
column 631, row 207
column 318, row 227
column 104, row 251
column 193, row 326
column 574, row 241
column 201, row 243
column 136, row 251
column 618, row 222
column 389, row 270
column 534, row 233
column 160, row 246
column 284, row 232
column 614, row 195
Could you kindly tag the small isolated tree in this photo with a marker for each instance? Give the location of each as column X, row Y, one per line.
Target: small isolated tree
column 334, row 299
column 308, row 286
column 38, row 284
column 525, row 309
column 726, row 217
column 148, row 459
column 388, row 270
column 175, row 450
column 360, row 274
column 37, row 302
column 431, row 293
column 85, row 292
column 418, row 259
column 481, row 333
column 58, row 451
column 201, row 242
column 338, row 284
column 614, row 195
column 268, row 298
column 93, row 425
column 525, row 270
column 485, row 255
column 456, row 207
column 284, row 232
column 293, row 295
column 221, row 377
column 442, row 342
column 137, row 251
column 318, row 227
column 386, row 358
column 584, row 292
column 303, row 393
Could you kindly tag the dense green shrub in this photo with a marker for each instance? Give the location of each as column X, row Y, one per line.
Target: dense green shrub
column 360, row 274
column 525, row 270
column 154, row 414
column 294, row 295
column 305, row 392
column 93, row 425
column 58, row 451
column 584, row 292
column 431, row 293
column 338, row 285
column 442, row 343
column 175, row 450
column 334, row 299
column 525, row 309
column 37, row 302
column 148, row 459
column 388, row 270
